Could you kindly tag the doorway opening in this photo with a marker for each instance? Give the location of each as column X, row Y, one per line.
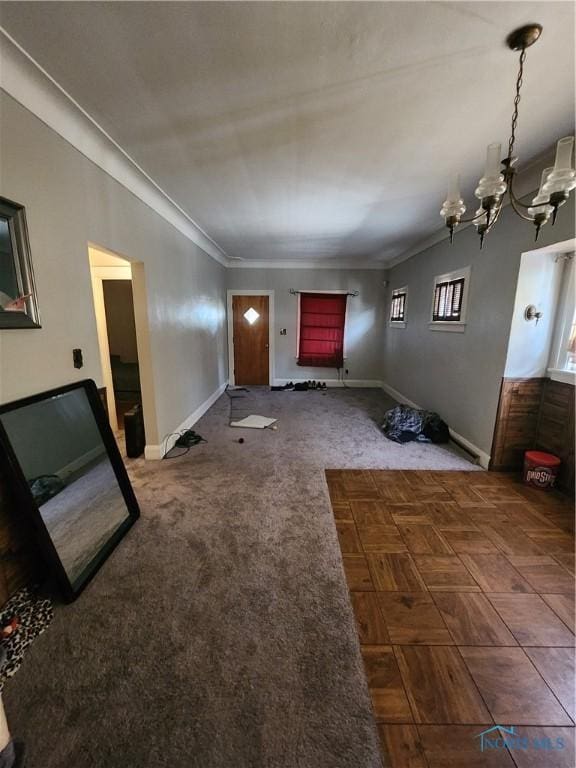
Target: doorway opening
column 120, row 305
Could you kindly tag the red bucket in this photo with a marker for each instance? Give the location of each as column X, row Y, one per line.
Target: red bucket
column 541, row 469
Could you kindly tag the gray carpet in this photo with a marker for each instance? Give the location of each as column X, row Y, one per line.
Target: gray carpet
column 220, row 634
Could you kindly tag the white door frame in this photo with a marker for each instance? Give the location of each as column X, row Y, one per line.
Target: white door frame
column 271, row 326
column 99, row 274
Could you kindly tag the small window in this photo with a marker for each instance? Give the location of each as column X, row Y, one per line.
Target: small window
column 398, row 306
column 449, row 300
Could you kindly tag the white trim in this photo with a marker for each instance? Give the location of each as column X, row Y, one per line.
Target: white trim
column 558, row 374
column 309, row 264
column 443, row 325
column 481, row 456
column 455, row 326
column 156, row 452
column 271, row 329
column 337, row 383
column 26, row 81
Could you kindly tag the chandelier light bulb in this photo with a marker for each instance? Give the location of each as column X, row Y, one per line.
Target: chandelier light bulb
column 563, row 176
column 492, row 184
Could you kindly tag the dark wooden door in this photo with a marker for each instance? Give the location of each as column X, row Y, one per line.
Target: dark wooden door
column 251, row 353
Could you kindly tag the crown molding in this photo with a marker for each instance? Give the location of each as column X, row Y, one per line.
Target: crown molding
column 296, row 264
column 28, row 83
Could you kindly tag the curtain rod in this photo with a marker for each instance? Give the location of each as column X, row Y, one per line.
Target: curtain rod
column 341, row 293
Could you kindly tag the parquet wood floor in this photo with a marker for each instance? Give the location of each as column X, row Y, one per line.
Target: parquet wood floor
column 462, row 585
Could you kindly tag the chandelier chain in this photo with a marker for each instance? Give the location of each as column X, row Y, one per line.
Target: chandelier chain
column 516, row 103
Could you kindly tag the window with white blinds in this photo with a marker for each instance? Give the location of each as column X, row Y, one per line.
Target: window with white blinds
column 398, row 305
column 449, row 300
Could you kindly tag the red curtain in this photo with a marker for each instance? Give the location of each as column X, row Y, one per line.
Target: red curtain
column 322, row 317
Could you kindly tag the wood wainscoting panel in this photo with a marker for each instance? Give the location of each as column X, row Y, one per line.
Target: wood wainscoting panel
column 555, row 430
column 516, row 422
column 535, row 414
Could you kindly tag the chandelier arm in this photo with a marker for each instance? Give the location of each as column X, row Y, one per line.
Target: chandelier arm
column 513, row 203
column 513, row 196
column 474, row 218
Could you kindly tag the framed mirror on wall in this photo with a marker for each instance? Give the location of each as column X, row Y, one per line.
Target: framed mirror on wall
column 69, row 478
column 18, row 300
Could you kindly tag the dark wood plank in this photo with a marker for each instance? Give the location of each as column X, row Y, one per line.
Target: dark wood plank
column 556, row 665
column 369, row 620
column 395, row 572
column 567, row 560
column 512, row 688
column 509, row 539
column 370, row 512
column 412, row 618
column 342, row 511
column 389, row 700
column 531, row 621
column 524, row 516
column 381, row 538
column 563, row 607
column 472, row 620
column 495, row 574
column 445, row 572
column 401, row 746
column 425, row 540
column 544, row 574
column 357, row 573
column 439, row 687
column 458, row 746
column 449, row 516
column 553, row 542
column 348, row 537
column 469, row 542
column 555, row 748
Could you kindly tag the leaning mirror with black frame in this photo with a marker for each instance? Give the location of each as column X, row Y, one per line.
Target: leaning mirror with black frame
column 69, row 478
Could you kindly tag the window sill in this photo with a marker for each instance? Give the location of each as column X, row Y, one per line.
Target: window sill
column 451, row 327
column 397, row 323
column 558, row 374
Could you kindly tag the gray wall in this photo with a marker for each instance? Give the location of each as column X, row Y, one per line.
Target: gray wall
column 70, row 202
column 364, row 316
column 459, row 374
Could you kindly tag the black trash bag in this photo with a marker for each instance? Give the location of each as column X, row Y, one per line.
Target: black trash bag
column 45, row 487
column 404, row 424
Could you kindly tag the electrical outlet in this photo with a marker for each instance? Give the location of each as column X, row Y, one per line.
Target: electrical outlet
column 347, row 371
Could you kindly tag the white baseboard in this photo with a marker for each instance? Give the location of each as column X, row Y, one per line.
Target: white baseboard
column 80, row 462
column 156, row 452
column 481, row 456
column 352, row 383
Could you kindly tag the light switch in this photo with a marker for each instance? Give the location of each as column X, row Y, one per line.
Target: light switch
column 282, row 331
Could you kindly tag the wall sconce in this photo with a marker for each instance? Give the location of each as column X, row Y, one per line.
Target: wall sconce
column 531, row 313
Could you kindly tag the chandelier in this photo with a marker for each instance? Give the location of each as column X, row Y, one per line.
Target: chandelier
column 498, row 180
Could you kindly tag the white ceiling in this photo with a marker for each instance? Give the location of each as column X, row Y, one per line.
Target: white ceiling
column 307, row 130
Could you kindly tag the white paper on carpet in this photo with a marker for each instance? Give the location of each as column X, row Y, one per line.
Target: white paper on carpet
column 254, row 422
